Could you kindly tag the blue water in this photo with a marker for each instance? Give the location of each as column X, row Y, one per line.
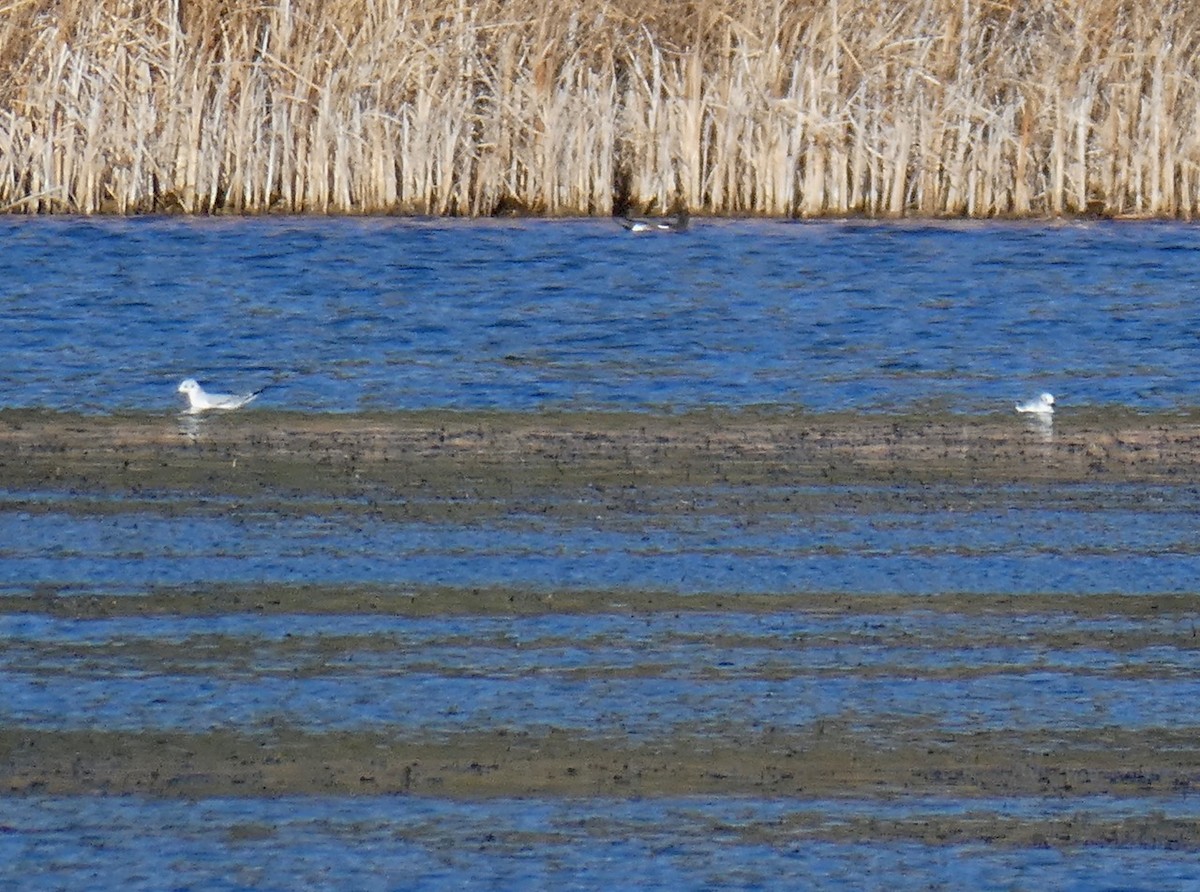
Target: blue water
column 345, row 315
column 589, row 675
column 1015, row 540
column 407, row 843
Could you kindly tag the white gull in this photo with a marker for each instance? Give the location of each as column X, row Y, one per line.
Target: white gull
column 200, row 400
column 1043, row 405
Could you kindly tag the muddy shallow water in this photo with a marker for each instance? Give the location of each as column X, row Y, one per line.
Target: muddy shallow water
column 424, row 650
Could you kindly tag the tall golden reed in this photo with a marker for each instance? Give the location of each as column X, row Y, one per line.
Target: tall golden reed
column 780, row 107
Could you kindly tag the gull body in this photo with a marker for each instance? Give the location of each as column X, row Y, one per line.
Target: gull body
column 678, row 223
column 1043, row 405
column 200, row 400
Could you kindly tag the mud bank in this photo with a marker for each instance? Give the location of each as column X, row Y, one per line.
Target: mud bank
column 1109, row 665
column 477, row 454
column 831, row 761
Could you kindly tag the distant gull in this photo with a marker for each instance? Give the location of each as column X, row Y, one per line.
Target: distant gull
column 200, row 400
column 678, row 223
column 1043, row 405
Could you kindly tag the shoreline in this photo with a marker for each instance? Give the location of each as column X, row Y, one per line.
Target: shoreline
column 701, row 216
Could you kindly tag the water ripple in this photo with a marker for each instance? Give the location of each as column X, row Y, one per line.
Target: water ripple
column 401, row 314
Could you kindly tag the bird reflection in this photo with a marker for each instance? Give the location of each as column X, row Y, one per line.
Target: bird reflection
column 1041, row 426
column 190, row 426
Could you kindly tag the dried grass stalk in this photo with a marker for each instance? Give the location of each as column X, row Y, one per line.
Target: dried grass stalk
column 779, row 107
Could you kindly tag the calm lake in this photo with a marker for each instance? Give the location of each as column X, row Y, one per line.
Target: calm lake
column 599, row 667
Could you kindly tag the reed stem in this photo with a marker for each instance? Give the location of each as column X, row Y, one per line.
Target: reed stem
column 773, row 107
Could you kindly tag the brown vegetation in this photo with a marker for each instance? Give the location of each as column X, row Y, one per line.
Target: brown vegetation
column 781, row 107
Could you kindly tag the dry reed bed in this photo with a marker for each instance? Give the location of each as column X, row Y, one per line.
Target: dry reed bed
column 881, row 107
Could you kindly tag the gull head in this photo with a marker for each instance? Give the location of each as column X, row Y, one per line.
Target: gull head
column 197, row 398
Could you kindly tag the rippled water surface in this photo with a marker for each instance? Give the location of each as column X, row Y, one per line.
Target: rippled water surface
column 644, row 675
column 924, row 613
column 1072, row 539
column 346, row 315
column 531, row 844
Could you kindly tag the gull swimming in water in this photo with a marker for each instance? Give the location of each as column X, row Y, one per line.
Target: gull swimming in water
column 678, row 223
column 1043, row 405
column 200, row 400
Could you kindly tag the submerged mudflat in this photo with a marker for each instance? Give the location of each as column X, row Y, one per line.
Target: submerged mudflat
column 334, row 454
column 936, row 629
